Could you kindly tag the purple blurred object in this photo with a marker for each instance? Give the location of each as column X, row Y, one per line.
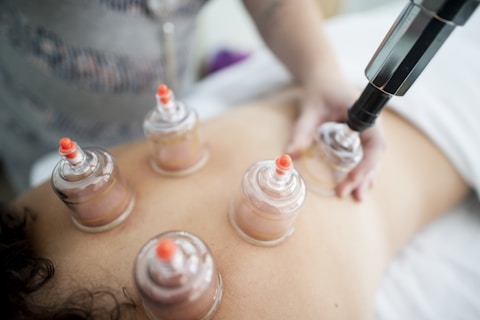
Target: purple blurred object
column 225, row 58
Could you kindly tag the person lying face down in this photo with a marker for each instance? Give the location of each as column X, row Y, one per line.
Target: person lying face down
column 330, row 267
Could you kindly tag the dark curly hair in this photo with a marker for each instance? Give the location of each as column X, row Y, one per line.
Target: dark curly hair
column 22, row 273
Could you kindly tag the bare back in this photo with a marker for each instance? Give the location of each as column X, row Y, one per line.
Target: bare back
column 330, row 267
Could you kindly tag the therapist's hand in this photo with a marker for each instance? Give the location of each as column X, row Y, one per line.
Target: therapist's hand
column 293, row 30
column 329, row 101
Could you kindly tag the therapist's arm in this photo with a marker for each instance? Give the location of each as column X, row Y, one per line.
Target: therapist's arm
column 293, row 30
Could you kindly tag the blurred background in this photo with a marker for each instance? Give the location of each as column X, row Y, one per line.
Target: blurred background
column 225, row 27
column 226, row 24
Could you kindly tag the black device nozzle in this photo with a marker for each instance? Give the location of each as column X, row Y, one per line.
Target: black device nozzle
column 419, row 31
column 366, row 109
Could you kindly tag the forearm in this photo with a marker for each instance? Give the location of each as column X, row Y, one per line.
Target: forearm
column 293, row 31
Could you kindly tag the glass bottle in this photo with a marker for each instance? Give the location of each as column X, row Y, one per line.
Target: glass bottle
column 336, row 151
column 176, row 278
column 89, row 182
column 172, row 127
column 264, row 210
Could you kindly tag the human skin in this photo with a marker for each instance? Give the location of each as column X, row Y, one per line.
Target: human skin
column 330, row 268
column 288, row 28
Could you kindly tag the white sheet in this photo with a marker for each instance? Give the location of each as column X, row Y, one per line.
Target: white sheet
column 444, row 102
column 437, row 276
